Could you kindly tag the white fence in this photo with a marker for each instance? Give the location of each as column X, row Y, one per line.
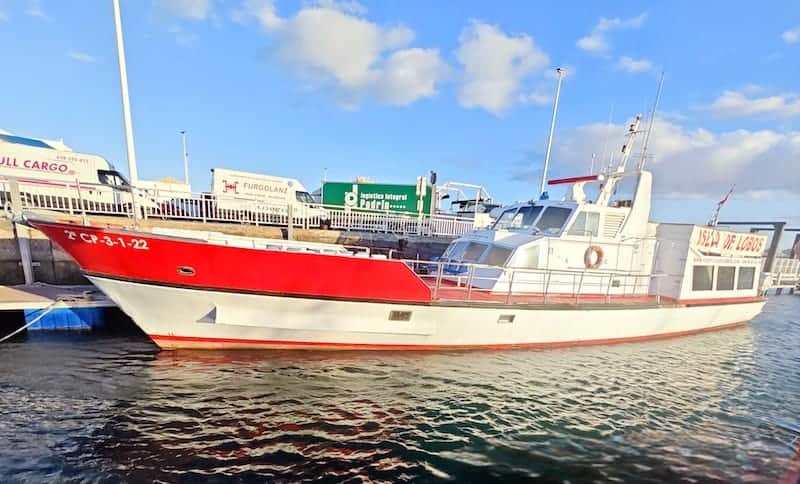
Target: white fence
column 77, row 198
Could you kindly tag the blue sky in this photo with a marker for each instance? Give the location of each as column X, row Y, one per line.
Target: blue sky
column 392, row 89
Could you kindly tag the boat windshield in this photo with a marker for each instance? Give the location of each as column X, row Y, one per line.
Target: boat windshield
column 553, row 220
column 504, row 220
column 518, row 219
column 525, row 217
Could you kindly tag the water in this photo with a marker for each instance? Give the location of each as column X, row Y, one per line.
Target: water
column 100, row 408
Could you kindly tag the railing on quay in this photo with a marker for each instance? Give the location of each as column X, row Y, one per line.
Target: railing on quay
column 785, row 272
column 450, row 281
column 95, row 199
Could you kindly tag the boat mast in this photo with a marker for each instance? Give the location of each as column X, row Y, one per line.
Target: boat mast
column 652, row 120
column 542, row 192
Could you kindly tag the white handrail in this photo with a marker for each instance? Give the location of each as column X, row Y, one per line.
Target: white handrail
column 99, row 199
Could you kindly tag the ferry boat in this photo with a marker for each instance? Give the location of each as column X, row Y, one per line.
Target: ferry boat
column 577, row 271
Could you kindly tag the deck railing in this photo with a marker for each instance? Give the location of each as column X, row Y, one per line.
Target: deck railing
column 95, row 199
column 450, row 281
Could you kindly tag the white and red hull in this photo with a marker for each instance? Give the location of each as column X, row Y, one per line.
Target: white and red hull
column 190, row 294
column 177, row 318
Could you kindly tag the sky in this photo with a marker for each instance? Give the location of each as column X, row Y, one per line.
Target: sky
column 392, row 89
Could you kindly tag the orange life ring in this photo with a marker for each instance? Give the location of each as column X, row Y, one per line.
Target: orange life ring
column 595, row 250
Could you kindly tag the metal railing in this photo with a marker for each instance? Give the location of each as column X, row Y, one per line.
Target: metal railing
column 96, row 199
column 785, row 272
column 450, row 281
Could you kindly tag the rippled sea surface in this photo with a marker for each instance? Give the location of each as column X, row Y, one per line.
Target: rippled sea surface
column 89, row 407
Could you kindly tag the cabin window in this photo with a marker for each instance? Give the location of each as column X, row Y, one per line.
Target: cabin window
column 504, row 220
column 553, row 220
column 586, row 224
column 473, row 252
column 455, row 251
column 525, row 217
column 497, row 256
column 702, row 278
column 747, row 277
column 725, row 277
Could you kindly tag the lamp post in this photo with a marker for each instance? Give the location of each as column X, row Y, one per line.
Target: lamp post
column 185, row 158
column 126, row 111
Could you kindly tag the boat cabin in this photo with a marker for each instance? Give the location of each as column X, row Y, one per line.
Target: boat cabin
column 603, row 246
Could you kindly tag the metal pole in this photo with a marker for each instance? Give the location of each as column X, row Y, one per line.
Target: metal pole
column 290, row 222
column 560, row 72
column 773, row 246
column 652, row 121
column 185, row 158
column 22, row 233
column 126, row 110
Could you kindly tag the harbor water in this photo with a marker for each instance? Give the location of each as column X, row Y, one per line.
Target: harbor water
column 83, row 406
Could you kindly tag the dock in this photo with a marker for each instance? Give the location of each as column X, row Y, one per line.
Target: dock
column 40, row 296
column 56, row 307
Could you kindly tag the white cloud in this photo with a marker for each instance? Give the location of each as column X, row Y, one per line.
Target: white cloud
column 733, row 104
column 537, row 98
column 409, row 75
column 182, row 37
column 791, row 36
column 597, row 40
column 691, row 162
column 495, row 64
column 187, row 9
column 632, row 65
column 80, row 56
column 331, row 45
column 35, row 9
column 262, row 10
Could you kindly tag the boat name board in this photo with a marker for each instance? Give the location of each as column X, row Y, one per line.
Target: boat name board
column 711, row 241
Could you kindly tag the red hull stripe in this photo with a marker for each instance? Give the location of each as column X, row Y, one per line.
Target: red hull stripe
column 169, row 342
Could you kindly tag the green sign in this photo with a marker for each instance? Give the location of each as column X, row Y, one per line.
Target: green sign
column 376, row 196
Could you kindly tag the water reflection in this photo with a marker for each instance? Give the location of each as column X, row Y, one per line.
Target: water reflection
column 662, row 411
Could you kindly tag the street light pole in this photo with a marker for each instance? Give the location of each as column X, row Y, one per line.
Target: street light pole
column 126, row 111
column 185, row 158
column 542, row 187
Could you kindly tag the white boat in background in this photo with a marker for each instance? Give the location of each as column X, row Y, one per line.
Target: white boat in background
column 548, row 273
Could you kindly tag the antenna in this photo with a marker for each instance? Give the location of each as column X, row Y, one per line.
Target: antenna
column 542, row 193
column 715, row 216
column 652, row 120
column 608, row 133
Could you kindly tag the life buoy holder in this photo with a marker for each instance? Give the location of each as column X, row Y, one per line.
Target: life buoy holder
column 593, row 257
